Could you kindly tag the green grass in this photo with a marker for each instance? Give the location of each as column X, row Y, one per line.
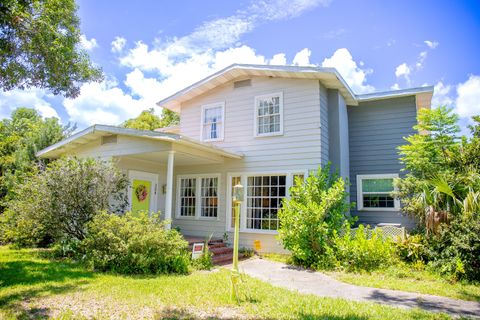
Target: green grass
column 401, row 277
column 35, row 287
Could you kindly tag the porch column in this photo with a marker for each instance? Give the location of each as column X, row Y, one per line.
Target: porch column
column 169, row 193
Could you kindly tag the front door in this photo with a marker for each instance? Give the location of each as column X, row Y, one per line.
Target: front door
column 143, row 191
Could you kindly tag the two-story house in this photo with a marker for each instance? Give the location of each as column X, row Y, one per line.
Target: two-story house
column 261, row 126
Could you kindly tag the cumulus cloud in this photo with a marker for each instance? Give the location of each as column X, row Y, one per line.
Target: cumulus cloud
column 442, row 95
column 302, row 58
column 102, row 103
column 468, row 97
column 118, row 44
column 278, row 59
column 33, row 98
column 355, row 76
column 88, row 44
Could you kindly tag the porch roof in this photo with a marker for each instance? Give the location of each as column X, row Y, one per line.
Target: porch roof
column 97, row 131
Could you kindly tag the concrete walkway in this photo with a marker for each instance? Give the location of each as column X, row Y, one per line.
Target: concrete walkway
column 304, row 281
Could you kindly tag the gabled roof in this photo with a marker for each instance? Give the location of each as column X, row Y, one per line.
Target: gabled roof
column 329, row 77
column 94, row 132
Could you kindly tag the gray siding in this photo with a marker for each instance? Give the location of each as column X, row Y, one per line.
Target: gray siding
column 376, row 129
column 324, row 125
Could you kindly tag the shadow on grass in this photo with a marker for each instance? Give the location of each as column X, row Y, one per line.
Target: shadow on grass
column 24, row 277
column 470, row 296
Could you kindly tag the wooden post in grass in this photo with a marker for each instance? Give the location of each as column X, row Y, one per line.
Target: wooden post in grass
column 237, row 201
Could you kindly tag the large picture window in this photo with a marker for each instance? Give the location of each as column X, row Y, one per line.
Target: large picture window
column 212, row 122
column 264, row 198
column 374, row 192
column 198, row 196
column 269, row 115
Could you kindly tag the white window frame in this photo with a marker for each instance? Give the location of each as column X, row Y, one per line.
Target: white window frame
column 221, row 132
column 255, row 115
column 243, row 209
column 361, row 177
column 198, row 196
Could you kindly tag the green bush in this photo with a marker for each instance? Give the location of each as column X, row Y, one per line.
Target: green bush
column 134, row 245
column 412, row 249
column 56, row 203
column 315, row 210
column 455, row 252
column 367, row 250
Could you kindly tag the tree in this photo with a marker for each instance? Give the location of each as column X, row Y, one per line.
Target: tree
column 40, row 47
column 57, row 202
column 21, row 136
column 148, row 120
column 316, row 209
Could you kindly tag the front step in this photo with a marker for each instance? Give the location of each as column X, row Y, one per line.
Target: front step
column 221, row 254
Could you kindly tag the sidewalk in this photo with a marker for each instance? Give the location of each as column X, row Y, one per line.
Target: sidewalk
column 305, row 281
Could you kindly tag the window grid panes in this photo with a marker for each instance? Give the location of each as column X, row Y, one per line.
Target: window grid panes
column 235, row 181
column 264, row 198
column 187, row 197
column 212, row 123
column 377, row 193
column 209, row 200
column 268, row 115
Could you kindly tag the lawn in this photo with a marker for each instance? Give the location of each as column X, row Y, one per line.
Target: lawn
column 35, row 287
column 402, row 277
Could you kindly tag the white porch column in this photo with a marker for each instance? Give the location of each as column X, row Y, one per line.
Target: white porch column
column 169, row 193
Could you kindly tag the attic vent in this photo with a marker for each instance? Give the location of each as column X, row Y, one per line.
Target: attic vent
column 242, row 83
column 109, row 139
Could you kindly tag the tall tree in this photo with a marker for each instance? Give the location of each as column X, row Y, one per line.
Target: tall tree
column 148, row 120
column 21, row 136
column 40, row 47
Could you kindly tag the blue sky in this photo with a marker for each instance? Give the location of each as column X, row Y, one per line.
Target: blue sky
column 150, row 49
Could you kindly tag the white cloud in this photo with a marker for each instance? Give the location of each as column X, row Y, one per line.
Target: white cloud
column 118, row 44
column 431, row 44
column 421, row 59
column 278, row 59
column 402, row 70
column 355, row 76
column 102, row 103
column 396, row 86
column 88, row 44
column 31, row 98
column 442, row 95
column 468, row 97
column 302, row 58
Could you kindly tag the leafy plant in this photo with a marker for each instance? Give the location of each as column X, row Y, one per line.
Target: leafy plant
column 367, row 250
column 58, row 202
column 315, row 211
column 134, row 244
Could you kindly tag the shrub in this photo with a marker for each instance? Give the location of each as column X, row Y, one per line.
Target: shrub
column 315, row 211
column 57, row 202
column 134, row 245
column 367, row 250
column 456, row 250
column 412, row 249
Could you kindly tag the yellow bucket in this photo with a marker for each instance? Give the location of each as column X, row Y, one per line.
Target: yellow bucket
column 257, row 245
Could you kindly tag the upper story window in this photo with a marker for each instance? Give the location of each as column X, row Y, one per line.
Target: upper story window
column 213, row 122
column 374, row 192
column 269, row 115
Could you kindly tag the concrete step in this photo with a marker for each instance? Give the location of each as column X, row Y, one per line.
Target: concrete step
column 220, row 250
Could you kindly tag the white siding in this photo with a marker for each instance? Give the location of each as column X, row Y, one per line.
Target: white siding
column 298, row 149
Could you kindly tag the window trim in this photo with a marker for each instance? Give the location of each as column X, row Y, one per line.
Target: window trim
column 360, row 177
column 198, row 197
column 255, row 115
column 202, row 119
column 243, row 209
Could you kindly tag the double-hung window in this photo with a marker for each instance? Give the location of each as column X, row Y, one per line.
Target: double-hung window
column 374, row 192
column 197, row 196
column 269, row 115
column 213, row 122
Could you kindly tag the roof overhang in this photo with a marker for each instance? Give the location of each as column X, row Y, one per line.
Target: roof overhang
column 423, row 95
column 96, row 131
column 329, row 77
